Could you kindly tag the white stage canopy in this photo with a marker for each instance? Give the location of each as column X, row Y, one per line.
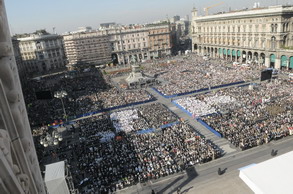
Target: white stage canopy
column 270, row 177
column 55, row 178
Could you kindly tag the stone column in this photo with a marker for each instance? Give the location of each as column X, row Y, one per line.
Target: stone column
column 288, row 62
column 267, row 62
column 278, row 63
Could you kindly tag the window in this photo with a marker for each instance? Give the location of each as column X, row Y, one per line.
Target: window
column 263, row 43
column 256, row 43
column 273, row 42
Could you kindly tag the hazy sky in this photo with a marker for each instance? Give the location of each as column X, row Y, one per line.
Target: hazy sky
column 26, row 16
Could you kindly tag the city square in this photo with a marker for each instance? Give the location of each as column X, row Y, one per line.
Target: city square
column 195, row 104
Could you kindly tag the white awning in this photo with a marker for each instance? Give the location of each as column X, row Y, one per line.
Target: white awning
column 270, row 177
column 55, row 178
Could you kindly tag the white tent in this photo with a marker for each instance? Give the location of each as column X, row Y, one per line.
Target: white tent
column 55, row 178
column 270, row 177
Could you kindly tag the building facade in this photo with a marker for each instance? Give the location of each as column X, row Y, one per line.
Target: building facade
column 41, row 52
column 129, row 42
column 19, row 167
column 139, row 42
column 262, row 36
column 161, row 38
column 118, row 44
column 87, row 48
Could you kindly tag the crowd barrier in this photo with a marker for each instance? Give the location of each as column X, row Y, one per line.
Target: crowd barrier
column 226, row 85
column 66, row 123
column 181, row 108
column 199, row 120
column 244, row 85
column 114, row 108
column 163, row 95
column 209, row 128
column 169, row 125
column 145, row 131
column 196, row 91
column 151, row 130
column 109, row 109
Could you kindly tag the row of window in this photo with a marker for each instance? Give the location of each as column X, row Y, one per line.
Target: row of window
column 159, row 31
column 256, row 43
column 133, row 46
column 243, row 28
column 46, row 44
column 244, row 21
column 132, row 40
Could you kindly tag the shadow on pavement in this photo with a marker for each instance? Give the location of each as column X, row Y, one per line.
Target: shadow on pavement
column 170, row 185
column 191, row 174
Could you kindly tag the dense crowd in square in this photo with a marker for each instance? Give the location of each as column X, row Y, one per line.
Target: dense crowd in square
column 105, row 159
column 257, row 116
column 87, row 92
column 194, row 73
column 117, row 149
column 143, row 117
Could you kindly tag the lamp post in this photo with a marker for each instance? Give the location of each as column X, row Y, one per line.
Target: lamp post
column 61, row 94
column 51, row 139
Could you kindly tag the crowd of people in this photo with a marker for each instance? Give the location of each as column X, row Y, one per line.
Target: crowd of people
column 107, row 152
column 87, row 92
column 144, row 117
column 260, row 115
column 104, row 159
column 130, row 158
column 195, row 73
column 202, row 105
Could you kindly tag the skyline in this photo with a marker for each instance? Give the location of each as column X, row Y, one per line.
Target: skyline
column 67, row 15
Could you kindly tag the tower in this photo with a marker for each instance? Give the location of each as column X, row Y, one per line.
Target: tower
column 20, row 172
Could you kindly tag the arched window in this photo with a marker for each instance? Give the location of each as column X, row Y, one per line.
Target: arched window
column 285, row 41
column 276, row 27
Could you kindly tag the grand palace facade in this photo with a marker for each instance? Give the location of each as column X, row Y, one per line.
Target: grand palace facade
column 260, row 36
